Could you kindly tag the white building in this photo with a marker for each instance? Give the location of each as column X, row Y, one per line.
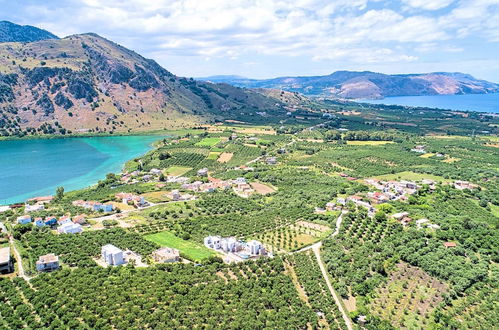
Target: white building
column 6, row 265
column 69, row 228
column 166, row 254
column 212, row 242
column 400, row 215
column 230, row 244
column 203, row 172
column 271, row 160
column 64, row 220
column 112, row 255
column 175, row 195
column 341, row 201
column 23, row 219
column 39, row 222
column 255, row 247
column 34, row 208
column 419, row 149
column 47, row 262
column 240, row 181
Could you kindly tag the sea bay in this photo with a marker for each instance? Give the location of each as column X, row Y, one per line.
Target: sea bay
column 37, row 167
column 468, row 102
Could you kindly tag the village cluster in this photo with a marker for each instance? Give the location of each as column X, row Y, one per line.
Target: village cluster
column 239, row 186
column 391, row 191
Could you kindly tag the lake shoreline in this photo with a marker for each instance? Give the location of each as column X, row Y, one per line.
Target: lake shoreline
column 90, row 135
column 36, row 167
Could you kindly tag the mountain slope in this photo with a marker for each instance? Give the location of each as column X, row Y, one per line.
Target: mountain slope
column 366, row 84
column 85, row 83
column 10, row 32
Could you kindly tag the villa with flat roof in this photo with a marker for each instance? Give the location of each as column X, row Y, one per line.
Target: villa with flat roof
column 47, row 263
column 5, row 260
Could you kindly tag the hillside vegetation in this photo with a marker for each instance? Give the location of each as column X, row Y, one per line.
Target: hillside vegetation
column 85, row 83
column 10, row 32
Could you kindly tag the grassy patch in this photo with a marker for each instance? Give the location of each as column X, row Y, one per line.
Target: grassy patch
column 189, row 249
column 412, row 176
column 494, row 209
column 177, row 170
column 172, row 206
column 368, row 143
column 213, row 155
column 156, row 196
column 208, row 142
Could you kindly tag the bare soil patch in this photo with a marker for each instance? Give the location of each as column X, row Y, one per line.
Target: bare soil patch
column 225, row 157
column 312, row 225
column 262, row 188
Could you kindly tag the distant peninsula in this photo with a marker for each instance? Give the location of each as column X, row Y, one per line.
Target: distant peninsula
column 369, row 85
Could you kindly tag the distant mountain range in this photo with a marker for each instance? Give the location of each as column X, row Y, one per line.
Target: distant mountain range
column 368, row 85
column 85, row 83
column 10, row 32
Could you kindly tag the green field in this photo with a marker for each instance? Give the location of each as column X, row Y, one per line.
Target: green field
column 191, row 250
column 208, row 142
column 368, row 143
column 214, row 155
column 412, row 176
column 177, row 170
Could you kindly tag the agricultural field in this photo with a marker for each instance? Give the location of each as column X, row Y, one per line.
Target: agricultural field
column 213, row 155
column 209, row 142
column 166, row 296
column 294, row 236
column 368, row 143
column 177, row 170
column 160, row 196
column 262, row 188
column 188, row 249
column 314, row 289
column 408, row 297
column 476, row 310
column 225, row 157
column 411, row 176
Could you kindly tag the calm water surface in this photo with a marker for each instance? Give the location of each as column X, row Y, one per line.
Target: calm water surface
column 471, row 102
column 31, row 168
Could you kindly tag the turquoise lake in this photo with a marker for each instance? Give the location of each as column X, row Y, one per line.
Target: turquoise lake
column 470, row 102
column 31, row 168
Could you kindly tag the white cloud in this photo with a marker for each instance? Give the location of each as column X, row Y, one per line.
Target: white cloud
column 353, row 31
column 429, row 4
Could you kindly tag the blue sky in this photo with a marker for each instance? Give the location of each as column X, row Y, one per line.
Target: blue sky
column 269, row 38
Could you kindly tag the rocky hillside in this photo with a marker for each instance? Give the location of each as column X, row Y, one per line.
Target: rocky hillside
column 357, row 85
column 85, row 83
column 10, row 32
